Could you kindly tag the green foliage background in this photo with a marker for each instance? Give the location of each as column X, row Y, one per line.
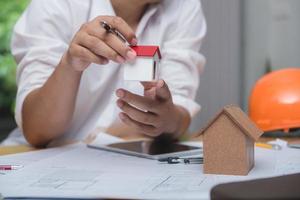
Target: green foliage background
column 10, row 12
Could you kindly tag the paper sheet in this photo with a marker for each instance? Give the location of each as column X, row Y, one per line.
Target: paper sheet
column 25, row 159
column 82, row 172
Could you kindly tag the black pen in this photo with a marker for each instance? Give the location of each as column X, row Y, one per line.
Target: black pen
column 176, row 160
column 114, row 31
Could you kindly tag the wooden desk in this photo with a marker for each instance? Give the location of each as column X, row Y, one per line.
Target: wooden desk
column 23, row 148
column 15, row 149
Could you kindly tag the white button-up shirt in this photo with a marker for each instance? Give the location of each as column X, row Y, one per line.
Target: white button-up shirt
column 44, row 31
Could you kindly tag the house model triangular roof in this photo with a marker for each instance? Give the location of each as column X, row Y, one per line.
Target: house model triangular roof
column 241, row 120
column 147, row 51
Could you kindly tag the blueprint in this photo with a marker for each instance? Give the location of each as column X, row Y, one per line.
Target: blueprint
column 81, row 172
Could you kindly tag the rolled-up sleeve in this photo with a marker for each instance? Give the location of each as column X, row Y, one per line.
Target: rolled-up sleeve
column 38, row 43
column 182, row 63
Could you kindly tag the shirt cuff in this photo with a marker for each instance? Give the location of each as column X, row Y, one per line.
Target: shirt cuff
column 190, row 105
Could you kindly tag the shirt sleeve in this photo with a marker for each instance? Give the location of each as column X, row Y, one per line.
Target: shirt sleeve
column 181, row 61
column 39, row 39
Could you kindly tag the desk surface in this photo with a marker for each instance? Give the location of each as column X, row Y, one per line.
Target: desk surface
column 173, row 170
column 24, row 148
column 15, row 149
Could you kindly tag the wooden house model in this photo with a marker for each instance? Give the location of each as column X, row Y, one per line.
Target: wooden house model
column 228, row 143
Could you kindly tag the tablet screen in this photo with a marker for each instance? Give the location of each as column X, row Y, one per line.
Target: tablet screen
column 152, row 147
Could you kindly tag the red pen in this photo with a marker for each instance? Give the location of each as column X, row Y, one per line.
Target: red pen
column 10, row 167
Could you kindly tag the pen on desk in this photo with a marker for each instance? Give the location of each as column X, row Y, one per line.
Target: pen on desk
column 10, row 167
column 176, row 160
column 296, row 146
column 268, row 146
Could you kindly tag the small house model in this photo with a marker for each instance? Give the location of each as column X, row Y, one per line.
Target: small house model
column 228, row 143
column 145, row 66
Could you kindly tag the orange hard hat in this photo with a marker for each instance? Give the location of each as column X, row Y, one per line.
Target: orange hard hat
column 275, row 100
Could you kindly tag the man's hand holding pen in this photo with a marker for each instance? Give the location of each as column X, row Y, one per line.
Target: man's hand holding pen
column 94, row 44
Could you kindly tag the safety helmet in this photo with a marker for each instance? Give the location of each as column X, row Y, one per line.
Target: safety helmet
column 274, row 102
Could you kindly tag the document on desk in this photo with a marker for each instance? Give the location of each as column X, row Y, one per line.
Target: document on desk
column 83, row 172
column 25, row 159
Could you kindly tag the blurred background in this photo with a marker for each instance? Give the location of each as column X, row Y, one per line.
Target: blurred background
column 246, row 39
column 10, row 12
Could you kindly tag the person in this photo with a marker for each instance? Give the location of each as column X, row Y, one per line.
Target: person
column 69, row 72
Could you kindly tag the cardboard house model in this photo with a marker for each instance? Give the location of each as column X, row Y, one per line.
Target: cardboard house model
column 145, row 66
column 228, row 143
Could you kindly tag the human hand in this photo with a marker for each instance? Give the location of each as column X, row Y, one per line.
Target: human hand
column 151, row 114
column 93, row 44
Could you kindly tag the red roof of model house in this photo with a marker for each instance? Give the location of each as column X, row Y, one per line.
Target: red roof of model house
column 147, row 51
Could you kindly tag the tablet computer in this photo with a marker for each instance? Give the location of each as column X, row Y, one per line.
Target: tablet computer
column 151, row 149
